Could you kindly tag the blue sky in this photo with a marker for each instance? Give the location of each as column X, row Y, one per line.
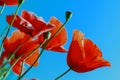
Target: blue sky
column 99, row 20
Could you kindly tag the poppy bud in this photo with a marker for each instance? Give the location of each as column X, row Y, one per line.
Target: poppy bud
column 20, row 2
column 68, row 15
column 47, row 35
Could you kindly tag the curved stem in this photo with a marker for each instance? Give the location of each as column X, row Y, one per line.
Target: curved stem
column 5, row 75
column 62, row 74
column 22, row 69
column 11, row 55
column 35, row 60
column 58, row 31
column 30, row 55
column 9, row 26
column 3, row 7
column 3, row 32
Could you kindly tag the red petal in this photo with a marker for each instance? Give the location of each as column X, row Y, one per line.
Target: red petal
column 32, row 58
column 97, row 64
column 9, row 2
column 38, row 24
column 14, row 41
column 91, row 50
column 93, row 55
column 21, row 24
column 29, row 16
column 61, row 38
column 84, row 55
column 3, row 56
column 17, row 67
column 76, row 55
column 27, row 48
column 59, row 49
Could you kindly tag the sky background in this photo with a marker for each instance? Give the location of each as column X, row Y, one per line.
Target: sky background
column 99, row 20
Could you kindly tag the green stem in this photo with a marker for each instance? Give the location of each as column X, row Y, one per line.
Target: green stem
column 5, row 75
column 1, row 67
column 3, row 7
column 17, row 59
column 58, row 31
column 11, row 55
column 35, row 60
column 3, row 32
column 62, row 74
column 9, row 26
column 43, row 49
column 22, row 69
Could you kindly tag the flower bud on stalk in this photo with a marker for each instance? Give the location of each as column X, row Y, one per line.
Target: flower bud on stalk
column 68, row 15
column 47, row 35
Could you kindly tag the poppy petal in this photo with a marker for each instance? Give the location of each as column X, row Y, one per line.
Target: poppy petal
column 61, row 38
column 3, row 56
column 14, row 41
column 76, row 47
column 79, row 37
column 84, row 55
column 98, row 64
column 59, row 49
column 9, row 2
column 29, row 16
column 30, row 60
column 20, row 23
column 75, row 55
column 17, row 67
column 39, row 25
column 91, row 50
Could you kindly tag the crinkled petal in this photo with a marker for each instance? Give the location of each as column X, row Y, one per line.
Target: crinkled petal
column 20, row 23
column 38, row 24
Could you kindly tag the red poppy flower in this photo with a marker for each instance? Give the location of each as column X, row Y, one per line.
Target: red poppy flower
column 84, row 55
column 30, row 23
column 56, row 44
column 12, row 43
column 9, row 2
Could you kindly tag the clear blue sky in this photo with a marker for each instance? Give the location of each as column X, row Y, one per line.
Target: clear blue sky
column 98, row 19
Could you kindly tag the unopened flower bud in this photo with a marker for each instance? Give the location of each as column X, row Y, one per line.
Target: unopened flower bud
column 20, row 2
column 68, row 15
column 47, row 35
